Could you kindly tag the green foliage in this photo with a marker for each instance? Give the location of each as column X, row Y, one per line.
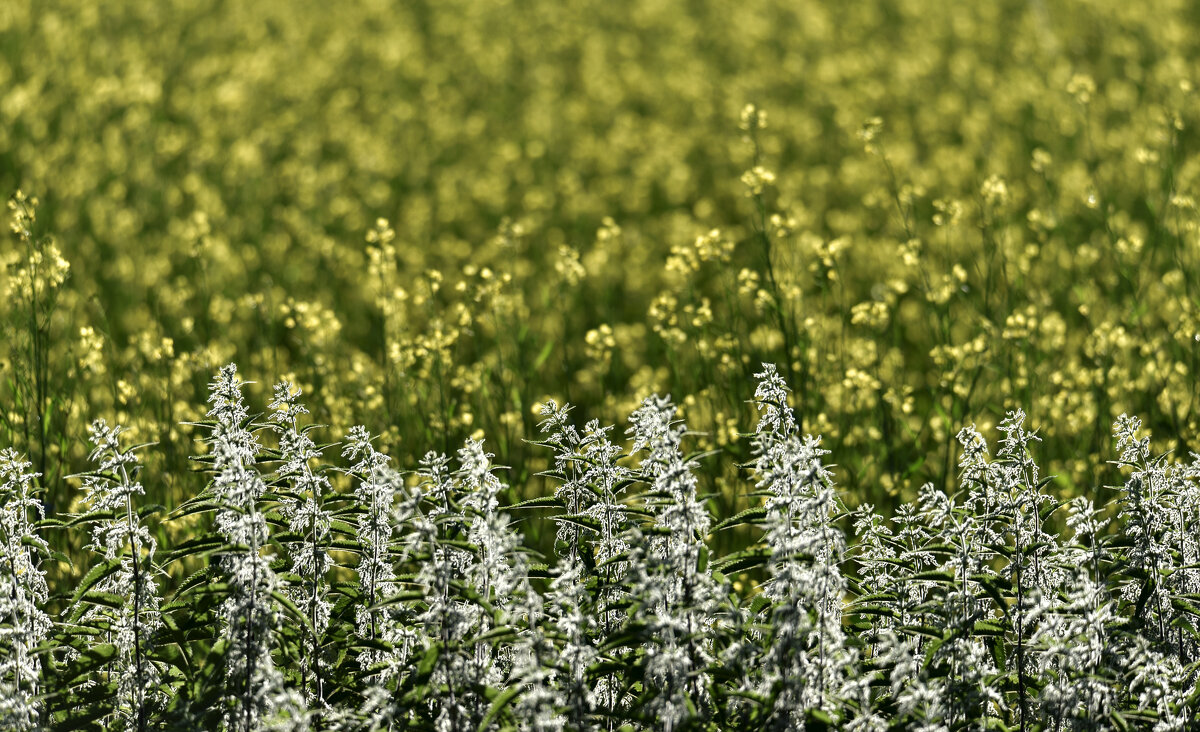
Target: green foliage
column 967, row 609
column 441, row 221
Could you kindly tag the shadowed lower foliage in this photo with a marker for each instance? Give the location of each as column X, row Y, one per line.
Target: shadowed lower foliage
column 361, row 597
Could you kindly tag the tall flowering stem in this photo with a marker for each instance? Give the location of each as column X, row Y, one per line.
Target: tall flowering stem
column 112, row 491
column 806, row 660
column 249, row 614
column 23, row 590
column 560, row 434
column 497, row 577
column 447, row 619
column 303, row 508
column 376, row 493
column 676, row 592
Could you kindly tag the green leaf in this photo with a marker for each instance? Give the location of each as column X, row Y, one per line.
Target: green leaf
column 93, row 577
column 201, row 504
column 150, row 510
column 983, row 627
column 743, row 560
column 90, row 660
column 541, row 502
column 500, row 633
column 200, row 545
column 1052, row 506
column 1183, row 605
column 999, row 652
column 936, row 576
column 994, row 587
column 880, row 610
column 85, row 706
column 543, row 355
column 748, row 516
column 925, row 630
column 580, row 519
column 539, row 571
column 502, row 700
column 104, row 599
column 199, row 578
column 290, row 608
column 429, row 660
column 397, row 599
column 818, row 720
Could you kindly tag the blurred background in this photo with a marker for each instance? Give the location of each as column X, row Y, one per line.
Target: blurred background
column 432, row 217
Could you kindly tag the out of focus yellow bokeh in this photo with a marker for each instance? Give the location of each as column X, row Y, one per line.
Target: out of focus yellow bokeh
column 433, row 216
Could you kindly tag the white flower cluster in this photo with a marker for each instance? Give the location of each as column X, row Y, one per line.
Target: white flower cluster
column 806, row 656
column 302, row 506
column 678, row 597
column 376, row 491
column 255, row 691
column 23, row 590
column 467, row 592
column 112, row 492
column 978, row 605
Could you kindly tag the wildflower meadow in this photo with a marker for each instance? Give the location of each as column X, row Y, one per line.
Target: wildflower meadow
column 600, row 365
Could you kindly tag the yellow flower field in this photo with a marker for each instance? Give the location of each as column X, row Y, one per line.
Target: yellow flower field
column 433, row 217
column 450, row 242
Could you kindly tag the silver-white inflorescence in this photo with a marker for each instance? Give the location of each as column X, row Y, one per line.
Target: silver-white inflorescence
column 23, row 624
column 678, row 596
column 255, row 691
column 376, row 493
column 806, row 661
column 303, row 508
column 113, row 488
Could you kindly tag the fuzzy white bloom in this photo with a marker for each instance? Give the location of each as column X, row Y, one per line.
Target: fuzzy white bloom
column 255, row 691
column 592, row 483
column 607, row 480
column 437, row 483
column 604, row 476
column 465, row 505
column 376, row 493
column 770, row 396
column 498, row 576
column 676, row 594
column 1018, row 476
column 1162, row 685
column 303, row 508
column 874, row 549
column 570, row 466
column 568, row 599
column 227, row 406
column 1070, row 646
column 1133, row 449
column 535, row 669
column 982, row 484
column 672, row 482
column 806, row 662
column 495, row 574
column 112, row 488
column 23, row 624
column 1154, row 511
column 376, row 711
